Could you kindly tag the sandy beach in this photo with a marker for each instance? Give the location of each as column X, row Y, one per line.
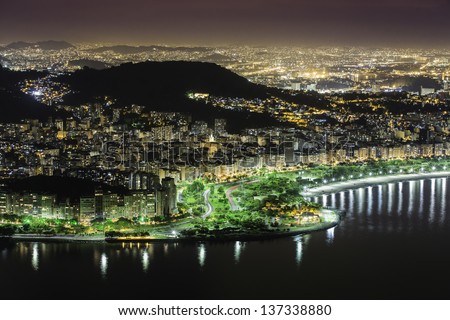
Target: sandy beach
column 369, row 181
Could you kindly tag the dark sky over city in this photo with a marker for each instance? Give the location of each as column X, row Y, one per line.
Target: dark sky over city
column 297, row 22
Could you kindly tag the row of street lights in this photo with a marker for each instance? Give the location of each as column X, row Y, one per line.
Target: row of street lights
column 370, row 174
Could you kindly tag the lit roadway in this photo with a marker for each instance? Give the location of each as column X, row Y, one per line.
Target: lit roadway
column 208, row 204
column 234, row 206
column 228, row 193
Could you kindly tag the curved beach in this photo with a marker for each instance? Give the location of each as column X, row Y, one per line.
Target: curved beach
column 365, row 182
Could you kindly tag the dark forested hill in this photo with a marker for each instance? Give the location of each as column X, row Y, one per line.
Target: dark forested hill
column 163, row 86
column 163, row 83
column 16, row 105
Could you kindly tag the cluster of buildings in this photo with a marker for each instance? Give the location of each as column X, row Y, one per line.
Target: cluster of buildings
column 146, row 199
column 102, row 144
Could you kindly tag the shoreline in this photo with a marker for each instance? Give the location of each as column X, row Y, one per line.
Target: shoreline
column 250, row 236
column 335, row 187
column 60, row 238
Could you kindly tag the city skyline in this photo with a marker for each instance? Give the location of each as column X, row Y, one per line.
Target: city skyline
column 396, row 23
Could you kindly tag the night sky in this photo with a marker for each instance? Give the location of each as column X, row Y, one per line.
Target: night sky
column 298, row 22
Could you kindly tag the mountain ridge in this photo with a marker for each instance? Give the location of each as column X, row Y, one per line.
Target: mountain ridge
column 127, row 49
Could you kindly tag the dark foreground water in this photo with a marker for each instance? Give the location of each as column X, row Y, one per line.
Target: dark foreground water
column 393, row 244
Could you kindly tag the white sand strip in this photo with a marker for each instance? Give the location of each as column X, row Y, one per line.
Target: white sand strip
column 369, row 181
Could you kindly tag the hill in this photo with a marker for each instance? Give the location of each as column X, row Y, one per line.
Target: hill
column 16, row 105
column 163, row 86
column 162, row 82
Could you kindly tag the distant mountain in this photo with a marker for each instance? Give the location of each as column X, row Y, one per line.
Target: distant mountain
column 54, row 45
column 216, row 58
column 125, row 49
column 93, row 64
column 44, row 45
column 19, row 45
column 163, row 86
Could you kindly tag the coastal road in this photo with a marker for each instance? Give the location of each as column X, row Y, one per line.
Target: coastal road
column 209, row 207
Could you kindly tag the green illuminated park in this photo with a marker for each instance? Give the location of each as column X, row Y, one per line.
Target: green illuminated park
column 261, row 204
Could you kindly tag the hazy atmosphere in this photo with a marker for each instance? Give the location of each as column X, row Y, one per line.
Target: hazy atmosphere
column 323, row 22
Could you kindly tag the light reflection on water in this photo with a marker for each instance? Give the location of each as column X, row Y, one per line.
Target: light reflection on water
column 201, row 254
column 330, row 236
column 421, row 183
column 145, row 260
column 432, row 200
column 298, row 249
column 35, row 257
column 443, row 199
column 395, row 203
column 412, row 195
column 390, row 197
column 104, row 265
column 239, row 246
column 380, row 199
column 369, row 199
